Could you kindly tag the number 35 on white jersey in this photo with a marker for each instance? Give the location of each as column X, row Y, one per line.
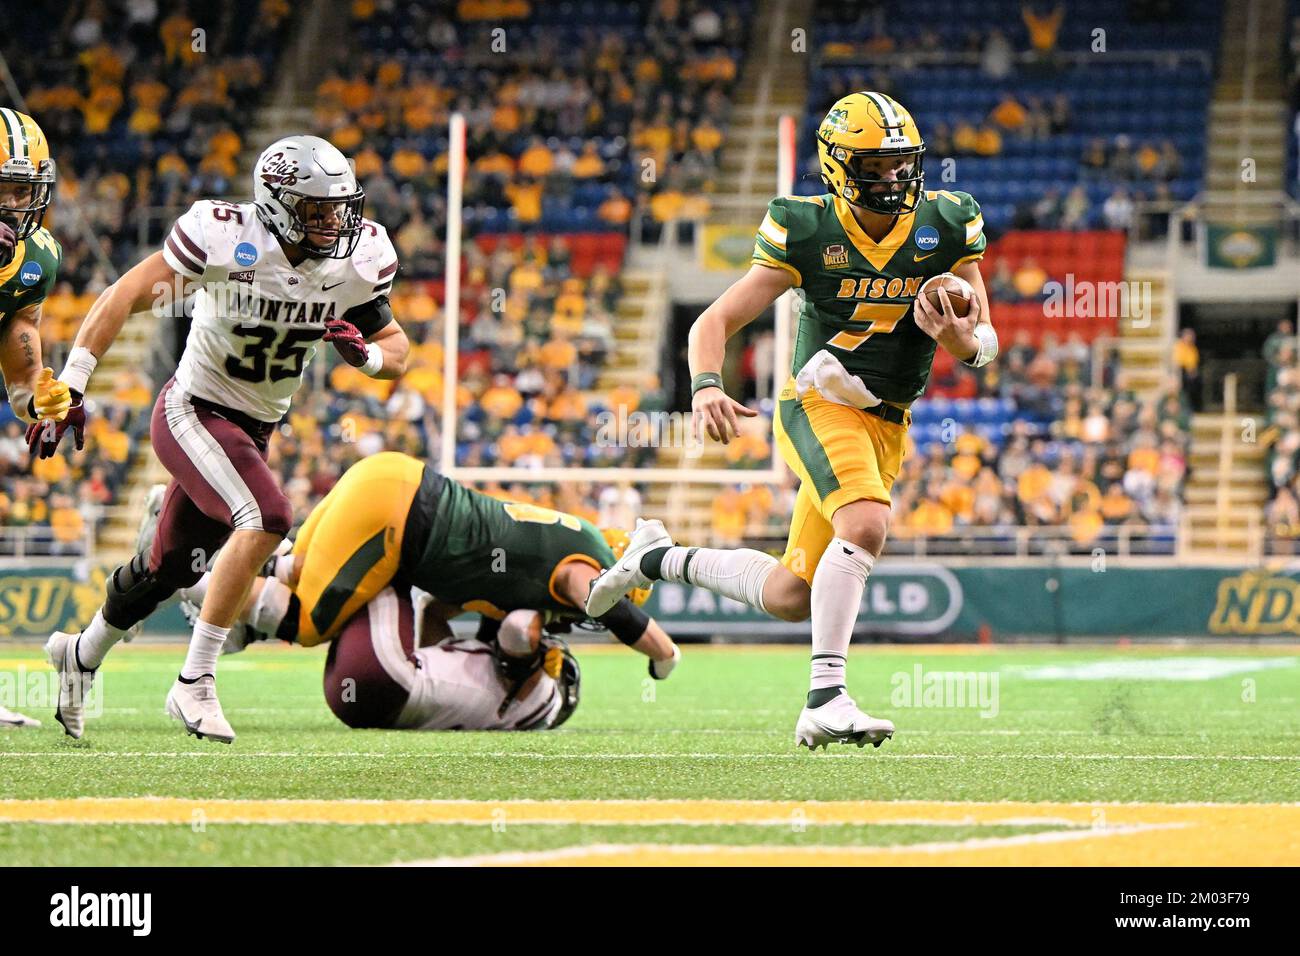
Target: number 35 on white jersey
column 257, row 319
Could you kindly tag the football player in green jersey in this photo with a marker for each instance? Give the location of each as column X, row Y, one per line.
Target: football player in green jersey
column 866, row 342
column 29, row 261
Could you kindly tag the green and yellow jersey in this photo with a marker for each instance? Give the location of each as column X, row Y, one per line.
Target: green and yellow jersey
column 29, row 276
column 492, row 556
column 858, row 294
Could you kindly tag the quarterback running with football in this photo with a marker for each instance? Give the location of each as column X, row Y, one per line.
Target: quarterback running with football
column 866, row 343
column 29, row 263
column 275, row 276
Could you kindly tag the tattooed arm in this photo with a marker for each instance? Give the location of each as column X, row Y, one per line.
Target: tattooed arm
column 20, row 357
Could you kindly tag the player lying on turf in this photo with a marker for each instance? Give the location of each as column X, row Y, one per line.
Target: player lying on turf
column 866, row 342
column 393, row 518
column 396, row 665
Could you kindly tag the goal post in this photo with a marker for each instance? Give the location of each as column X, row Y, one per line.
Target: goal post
column 773, row 473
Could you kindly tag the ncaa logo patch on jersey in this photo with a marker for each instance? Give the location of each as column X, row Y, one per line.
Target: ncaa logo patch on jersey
column 927, row 237
column 245, row 253
column 835, row 256
column 31, row 273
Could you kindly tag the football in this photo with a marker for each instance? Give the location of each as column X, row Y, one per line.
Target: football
column 960, row 292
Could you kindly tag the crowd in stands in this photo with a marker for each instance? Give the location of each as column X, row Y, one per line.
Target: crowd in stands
column 1093, row 459
column 1025, row 115
column 573, row 124
column 57, row 500
column 1282, row 437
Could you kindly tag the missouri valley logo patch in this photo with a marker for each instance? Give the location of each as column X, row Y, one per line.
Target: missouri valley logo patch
column 835, row 256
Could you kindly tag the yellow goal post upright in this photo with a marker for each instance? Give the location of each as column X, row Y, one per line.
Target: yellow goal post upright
column 773, row 473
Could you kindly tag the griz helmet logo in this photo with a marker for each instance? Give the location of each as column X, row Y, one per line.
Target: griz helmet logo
column 279, row 171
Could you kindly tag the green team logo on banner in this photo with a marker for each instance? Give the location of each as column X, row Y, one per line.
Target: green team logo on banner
column 49, row 600
column 1240, row 247
column 1256, row 602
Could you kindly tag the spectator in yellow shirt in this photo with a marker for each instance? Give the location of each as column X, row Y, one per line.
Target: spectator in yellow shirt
column 536, row 161
column 931, row 517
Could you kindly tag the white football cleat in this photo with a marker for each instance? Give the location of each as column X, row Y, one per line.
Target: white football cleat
column 74, row 683
column 11, row 718
column 196, row 706
column 612, row 584
column 839, row 720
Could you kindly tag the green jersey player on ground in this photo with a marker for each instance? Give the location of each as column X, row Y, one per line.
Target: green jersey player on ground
column 866, row 341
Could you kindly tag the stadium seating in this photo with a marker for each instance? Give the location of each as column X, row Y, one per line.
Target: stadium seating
column 1143, row 95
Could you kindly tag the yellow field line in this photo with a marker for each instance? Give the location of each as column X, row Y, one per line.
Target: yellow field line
column 1118, row 833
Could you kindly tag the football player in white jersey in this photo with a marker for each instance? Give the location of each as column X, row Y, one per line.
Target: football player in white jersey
column 396, row 665
column 273, row 278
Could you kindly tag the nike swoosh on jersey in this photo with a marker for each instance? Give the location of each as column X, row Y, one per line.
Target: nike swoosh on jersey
column 326, row 288
column 916, row 258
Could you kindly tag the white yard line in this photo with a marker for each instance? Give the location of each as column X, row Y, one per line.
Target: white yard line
column 853, row 754
column 724, row 850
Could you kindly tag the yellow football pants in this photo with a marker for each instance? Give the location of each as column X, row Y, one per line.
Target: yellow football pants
column 351, row 542
column 841, row 454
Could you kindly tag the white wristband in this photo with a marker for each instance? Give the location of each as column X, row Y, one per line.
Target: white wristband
column 988, row 350
column 76, row 373
column 376, row 360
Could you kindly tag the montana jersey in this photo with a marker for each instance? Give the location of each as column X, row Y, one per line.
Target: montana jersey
column 858, row 294
column 457, row 687
column 30, row 274
column 491, row 556
column 257, row 318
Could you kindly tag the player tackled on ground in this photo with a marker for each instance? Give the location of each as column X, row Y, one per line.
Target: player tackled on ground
column 392, row 521
column 274, row 277
column 865, row 346
column 392, row 518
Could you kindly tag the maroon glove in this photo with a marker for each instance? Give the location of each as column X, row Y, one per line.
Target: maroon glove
column 43, row 437
column 348, row 340
column 8, row 243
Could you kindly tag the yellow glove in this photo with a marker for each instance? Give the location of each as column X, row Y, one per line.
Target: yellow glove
column 52, row 398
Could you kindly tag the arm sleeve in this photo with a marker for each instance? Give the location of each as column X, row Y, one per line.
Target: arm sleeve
column 371, row 316
column 625, row 621
column 185, row 249
column 772, row 244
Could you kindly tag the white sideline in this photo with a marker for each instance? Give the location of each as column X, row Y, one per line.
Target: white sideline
column 520, row 755
column 725, row 849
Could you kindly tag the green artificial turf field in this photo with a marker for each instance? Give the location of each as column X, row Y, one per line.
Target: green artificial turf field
column 1048, row 755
